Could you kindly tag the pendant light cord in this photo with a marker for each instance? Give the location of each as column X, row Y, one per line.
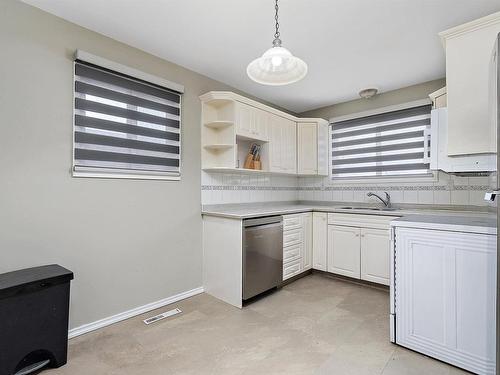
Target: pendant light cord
column 277, row 33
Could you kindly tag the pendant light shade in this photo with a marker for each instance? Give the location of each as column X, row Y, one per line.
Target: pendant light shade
column 277, row 66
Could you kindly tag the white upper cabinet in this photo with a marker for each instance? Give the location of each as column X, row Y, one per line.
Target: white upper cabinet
column 312, row 148
column 282, row 145
column 231, row 124
column 469, row 49
column 439, row 158
column 307, row 148
column 323, row 147
column 251, row 122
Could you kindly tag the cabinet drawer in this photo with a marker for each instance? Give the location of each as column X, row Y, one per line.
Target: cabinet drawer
column 291, row 222
column 291, row 269
column 291, row 253
column 292, row 237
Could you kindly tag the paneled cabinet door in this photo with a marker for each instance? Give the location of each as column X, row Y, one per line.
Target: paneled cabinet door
column 244, row 120
column 343, row 251
column 289, row 146
column 375, row 255
column 251, row 122
column 275, row 143
column 446, row 296
column 307, row 244
column 307, row 148
column 282, row 145
column 261, row 124
column 320, row 234
column 323, row 146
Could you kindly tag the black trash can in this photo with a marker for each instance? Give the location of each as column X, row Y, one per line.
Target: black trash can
column 34, row 309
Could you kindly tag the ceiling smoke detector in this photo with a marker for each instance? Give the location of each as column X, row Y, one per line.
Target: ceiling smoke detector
column 368, row 93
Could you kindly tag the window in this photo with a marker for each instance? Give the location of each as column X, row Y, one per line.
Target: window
column 383, row 145
column 124, row 126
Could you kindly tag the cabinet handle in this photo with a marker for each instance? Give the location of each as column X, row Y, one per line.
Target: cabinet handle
column 357, row 235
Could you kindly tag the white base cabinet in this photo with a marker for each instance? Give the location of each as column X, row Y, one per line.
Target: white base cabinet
column 359, row 246
column 375, row 255
column 307, row 227
column 445, row 296
column 343, row 251
column 297, row 244
column 320, row 240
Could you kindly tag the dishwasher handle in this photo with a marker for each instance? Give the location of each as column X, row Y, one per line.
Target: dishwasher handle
column 263, row 221
column 264, row 226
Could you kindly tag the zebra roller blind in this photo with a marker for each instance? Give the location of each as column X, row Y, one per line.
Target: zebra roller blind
column 124, row 125
column 388, row 144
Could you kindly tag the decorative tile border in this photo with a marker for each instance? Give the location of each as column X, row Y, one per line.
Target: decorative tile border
column 249, row 187
column 449, row 187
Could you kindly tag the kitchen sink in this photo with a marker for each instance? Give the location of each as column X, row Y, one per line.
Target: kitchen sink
column 370, row 208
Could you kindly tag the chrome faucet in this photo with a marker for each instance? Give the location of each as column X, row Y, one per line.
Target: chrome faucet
column 386, row 202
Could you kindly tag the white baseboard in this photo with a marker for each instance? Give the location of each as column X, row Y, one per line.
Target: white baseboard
column 77, row 331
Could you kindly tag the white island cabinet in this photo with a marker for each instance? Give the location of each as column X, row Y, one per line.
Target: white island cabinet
column 443, row 293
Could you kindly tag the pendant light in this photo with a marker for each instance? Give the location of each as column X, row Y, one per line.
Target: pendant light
column 277, row 66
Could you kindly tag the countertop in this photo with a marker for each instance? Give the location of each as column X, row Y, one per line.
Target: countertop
column 463, row 219
column 486, row 224
column 251, row 210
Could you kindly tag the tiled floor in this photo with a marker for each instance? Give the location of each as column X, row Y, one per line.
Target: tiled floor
column 316, row 325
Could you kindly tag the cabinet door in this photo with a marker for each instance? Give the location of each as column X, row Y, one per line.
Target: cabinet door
column 245, row 119
column 261, row 124
column 320, row 229
column 307, row 244
column 289, row 146
column 307, row 148
column 343, row 250
column 323, row 147
column 468, row 84
column 275, row 143
column 446, row 296
column 375, row 255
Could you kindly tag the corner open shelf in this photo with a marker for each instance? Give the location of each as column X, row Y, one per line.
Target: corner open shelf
column 217, row 147
column 218, row 124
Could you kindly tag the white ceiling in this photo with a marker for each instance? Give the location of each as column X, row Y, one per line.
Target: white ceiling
column 348, row 44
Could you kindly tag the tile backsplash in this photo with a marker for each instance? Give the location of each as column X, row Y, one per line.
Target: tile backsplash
column 219, row 188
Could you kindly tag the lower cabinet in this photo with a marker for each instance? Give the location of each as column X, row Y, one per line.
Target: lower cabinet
column 343, row 251
column 445, row 296
column 297, row 244
column 320, row 239
column 359, row 247
column 307, row 246
column 352, row 245
column 375, row 255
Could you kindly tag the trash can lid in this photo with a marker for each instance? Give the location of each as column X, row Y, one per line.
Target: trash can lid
column 11, row 282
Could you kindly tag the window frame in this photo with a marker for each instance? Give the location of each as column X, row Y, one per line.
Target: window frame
column 432, row 176
column 95, row 172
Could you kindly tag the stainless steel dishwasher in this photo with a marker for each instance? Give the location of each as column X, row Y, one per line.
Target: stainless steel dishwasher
column 262, row 255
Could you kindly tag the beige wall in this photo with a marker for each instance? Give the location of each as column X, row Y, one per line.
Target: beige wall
column 129, row 242
column 404, row 95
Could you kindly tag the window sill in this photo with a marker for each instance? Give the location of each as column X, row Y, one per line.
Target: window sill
column 127, row 176
column 430, row 178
